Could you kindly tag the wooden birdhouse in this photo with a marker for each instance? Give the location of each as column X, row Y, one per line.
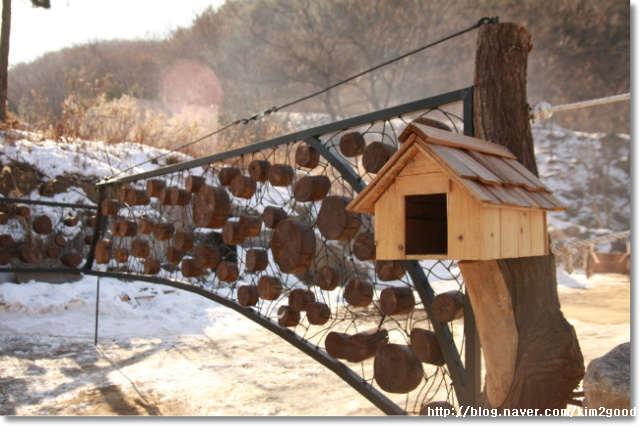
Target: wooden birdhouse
column 448, row 196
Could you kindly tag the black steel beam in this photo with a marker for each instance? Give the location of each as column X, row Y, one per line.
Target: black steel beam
column 46, row 203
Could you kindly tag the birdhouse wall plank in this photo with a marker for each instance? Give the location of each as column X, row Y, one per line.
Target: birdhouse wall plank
column 433, row 183
column 390, row 233
column 509, row 232
column 524, row 233
column 420, row 164
column 465, row 223
column 491, row 233
column 539, row 233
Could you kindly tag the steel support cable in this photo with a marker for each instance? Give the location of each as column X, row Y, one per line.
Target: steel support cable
column 544, row 110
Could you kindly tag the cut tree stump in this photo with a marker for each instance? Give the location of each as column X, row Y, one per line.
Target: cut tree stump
column 329, row 278
column 189, row 269
column 257, row 260
column 280, row 175
column 358, row 293
column 448, row 306
column 269, row 288
column 179, row 197
column 127, row 228
column 364, row 345
column 272, row 216
column 287, row 317
column 174, row 255
column 163, row 231
column 243, row 187
column 227, row 271
column 206, row 256
column 352, row 144
column 227, row 174
column 155, row 187
column 29, row 253
column 247, row 295
column 424, row 345
column 193, row 183
column 259, row 170
column 151, row 266
column 311, row 188
column 103, row 251
column 397, row 300
column 389, row 270
column 396, row 369
column 211, row 207
column 318, row 313
column 140, row 249
column 184, row 240
column 376, row 155
column 335, row 222
column 307, row 157
column 110, row 207
column 250, row 226
column 72, row 260
column 364, row 246
column 300, row 298
column 293, row 246
column 42, row 225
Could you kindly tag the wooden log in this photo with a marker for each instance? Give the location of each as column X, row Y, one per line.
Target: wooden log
column 42, row 224
column 231, row 233
column 206, row 256
column 121, row 255
column 396, row 369
column 211, row 207
column 184, row 240
column 259, row 170
column 335, row 344
column 425, row 346
column 397, row 300
column 365, row 345
column 335, row 222
column 145, row 226
column 249, row 226
column 280, row 175
column 29, row 253
column 437, row 408
column 318, row 313
column 227, row 271
column 70, row 221
column 269, row 288
column 52, row 252
column 165, row 196
column 140, row 249
column 6, row 240
column 110, row 207
column 174, row 255
column 22, row 210
column 91, row 221
column 5, row 259
column 247, row 295
column 352, row 144
column 227, row 174
column 193, row 183
column 103, row 251
column 4, row 219
column 376, row 155
column 123, row 191
column 152, row 266
column 243, row 187
column 127, row 228
column 307, row 157
column 329, row 278
column 115, row 227
column 257, row 260
column 155, row 187
column 293, row 246
column 189, row 269
column 432, row 123
column 448, row 306
column 163, row 231
column 287, row 317
column 137, row 197
column 179, row 197
column 389, row 270
column 72, row 260
column 364, row 246
column 272, row 216
column 311, row 188
column 358, row 293
column 60, row 240
column 300, row 298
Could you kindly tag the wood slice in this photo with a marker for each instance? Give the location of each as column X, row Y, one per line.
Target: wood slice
column 6, row 240
column 300, row 298
column 163, row 231
column 91, row 221
column 103, row 251
column 88, row 239
column 448, row 306
column 145, row 226
column 318, row 313
column 269, row 288
column 184, row 240
column 115, row 227
column 257, row 260
column 364, row 246
column 389, row 270
column 231, row 233
column 272, row 216
column 127, row 228
column 293, row 246
column 137, row 197
column 155, row 187
column 287, row 317
column 227, row 271
column 358, row 293
column 5, row 259
column 174, row 255
column 437, row 408
column 189, row 269
column 335, row 222
column 152, row 266
column 311, row 188
column 336, row 343
column 259, row 170
column 432, row 123
column 179, row 197
column 352, row 144
column 280, row 175
column 42, row 225
column 376, row 155
column 425, row 346
column 211, row 207
column 29, row 253
column 4, row 218
column 22, row 210
column 396, row 369
column 329, row 278
column 140, row 249
column 69, row 221
column 165, row 196
column 110, row 207
column 364, row 345
column 243, row 187
column 121, row 255
column 306, row 156
column 52, row 252
column 227, row 174
column 250, row 226
column 247, row 295
column 123, row 191
column 72, row 260
column 193, row 183
column 206, row 256
column 397, row 300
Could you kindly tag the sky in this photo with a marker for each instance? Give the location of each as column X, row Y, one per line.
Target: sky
column 35, row 32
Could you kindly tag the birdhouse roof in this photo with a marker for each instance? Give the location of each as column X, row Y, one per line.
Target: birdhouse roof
column 489, row 172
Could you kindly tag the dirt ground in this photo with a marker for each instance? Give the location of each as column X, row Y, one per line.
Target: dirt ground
column 231, row 375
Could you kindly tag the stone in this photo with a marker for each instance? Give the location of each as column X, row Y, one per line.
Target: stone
column 607, row 382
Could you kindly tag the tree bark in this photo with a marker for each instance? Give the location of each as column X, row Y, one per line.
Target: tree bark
column 5, row 32
column 549, row 362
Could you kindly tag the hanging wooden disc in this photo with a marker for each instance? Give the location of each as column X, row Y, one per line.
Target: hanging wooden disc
column 397, row 300
column 250, row 226
column 6, row 240
column 211, row 207
column 269, row 288
column 231, row 233
column 257, row 260
column 163, row 231
column 145, row 226
column 293, row 246
column 318, row 313
column 110, row 207
column 115, row 227
column 247, row 295
column 432, row 123
column 287, row 317
column 52, row 252
column 307, row 157
column 180, row 197
column 152, row 266
column 329, row 278
column 21, row 210
column 243, row 187
column 184, row 240
column 5, row 259
column 396, row 369
column 88, row 239
column 137, row 197
column 389, row 270
column 189, row 269
column 300, row 298
column 155, row 187
column 448, row 306
column 364, row 345
column 425, row 346
column 121, row 255
column 376, row 155
column 103, row 251
column 29, row 253
column 227, row 271
column 336, row 343
column 280, row 175
column 90, row 221
column 437, row 408
column 364, row 246
column 123, row 191
column 165, row 196
column 140, row 249
column 127, row 228
column 335, row 222
column 259, row 170
column 4, row 218
column 206, row 256
column 311, row 188
column 174, row 255
column 352, row 144
column 358, row 293
column 72, row 260
column 227, row 174
column 272, row 216
column 193, row 183
column 68, row 221
column 42, row 224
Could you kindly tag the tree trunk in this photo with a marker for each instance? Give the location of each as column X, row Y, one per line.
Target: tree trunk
column 5, row 32
column 549, row 363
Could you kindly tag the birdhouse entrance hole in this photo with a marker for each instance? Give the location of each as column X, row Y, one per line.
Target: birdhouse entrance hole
column 426, row 224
